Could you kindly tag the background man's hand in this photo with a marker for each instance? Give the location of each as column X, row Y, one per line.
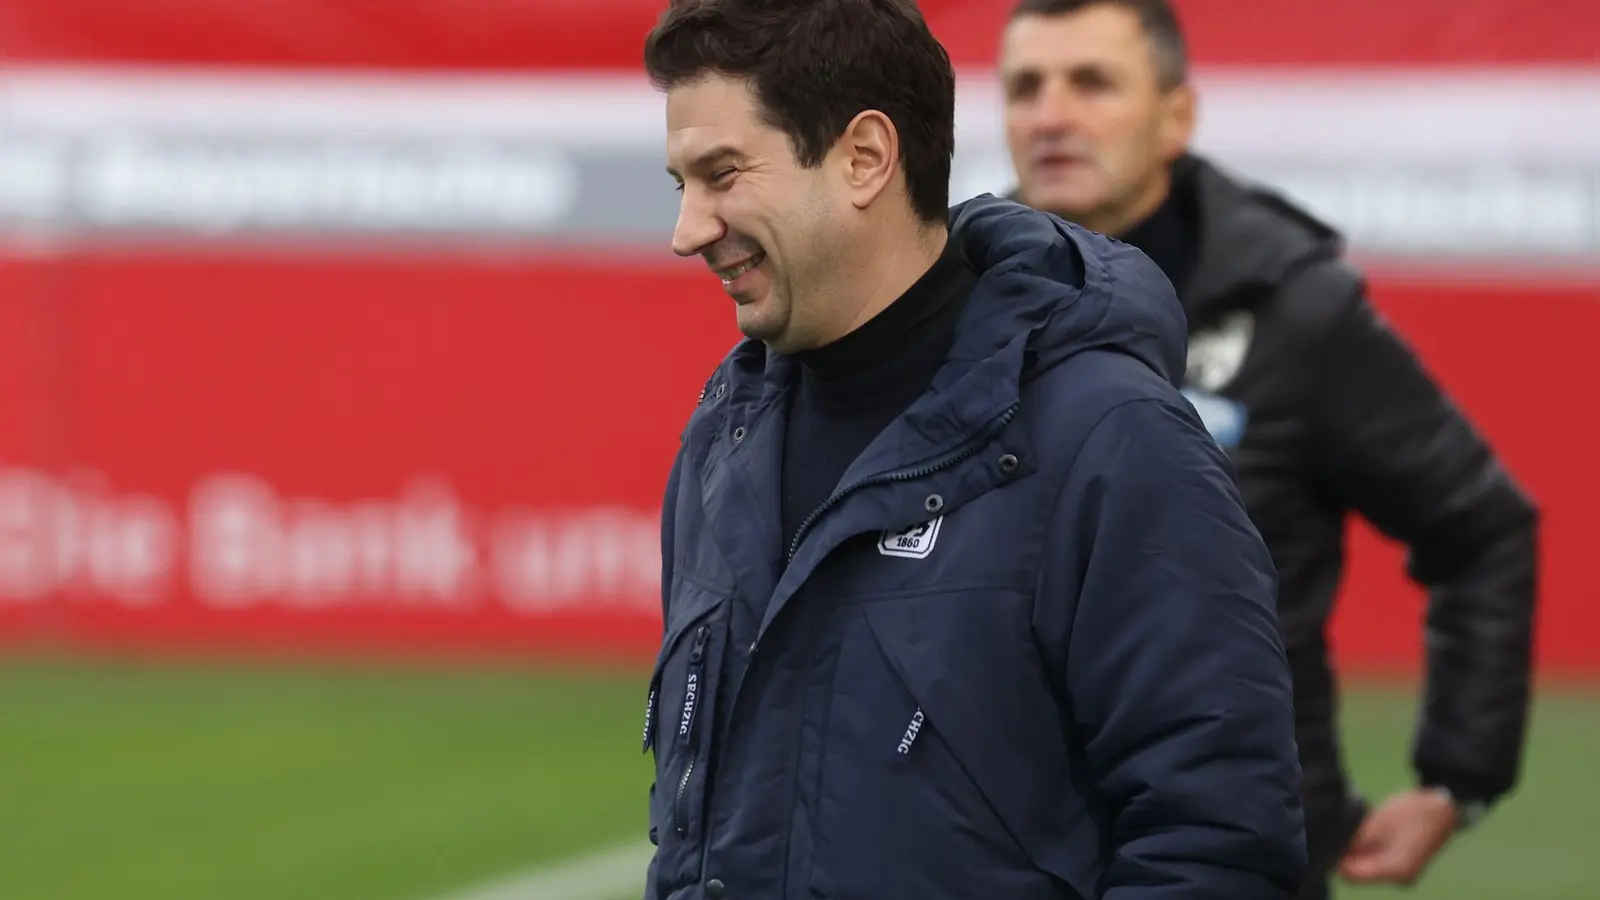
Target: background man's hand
column 1398, row 839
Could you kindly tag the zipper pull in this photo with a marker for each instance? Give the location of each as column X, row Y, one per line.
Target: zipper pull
column 650, row 721
column 691, row 695
column 913, row 729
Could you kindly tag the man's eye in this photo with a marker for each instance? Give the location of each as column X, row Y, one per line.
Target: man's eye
column 678, row 186
column 1021, row 90
column 723, row 175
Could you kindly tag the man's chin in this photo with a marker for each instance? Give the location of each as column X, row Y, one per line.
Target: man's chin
column 1068, row 203
column 756, row 326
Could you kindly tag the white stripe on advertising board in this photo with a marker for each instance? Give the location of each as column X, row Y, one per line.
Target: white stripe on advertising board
column 1409, row 163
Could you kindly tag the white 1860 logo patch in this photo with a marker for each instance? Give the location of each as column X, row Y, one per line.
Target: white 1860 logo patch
column 915, row 542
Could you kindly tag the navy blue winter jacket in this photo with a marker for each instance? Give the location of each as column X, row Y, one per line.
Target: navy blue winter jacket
column 1027, row 651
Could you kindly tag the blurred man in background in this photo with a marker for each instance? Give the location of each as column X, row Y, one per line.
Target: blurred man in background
column 1323, row 409
column 960, row 600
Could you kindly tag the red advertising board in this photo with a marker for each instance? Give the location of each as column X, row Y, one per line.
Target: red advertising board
column 424, row 455
column 491, row 35
column 467, row 457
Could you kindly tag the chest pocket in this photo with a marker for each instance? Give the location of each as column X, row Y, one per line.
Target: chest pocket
column 679, row 721
column 943, row 769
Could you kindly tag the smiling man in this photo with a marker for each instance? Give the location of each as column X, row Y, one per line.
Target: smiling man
column 960, row 600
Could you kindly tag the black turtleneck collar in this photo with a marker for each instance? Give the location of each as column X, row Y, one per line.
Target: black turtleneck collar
column 1170, row 235
column 898, row 351
column 850, row 390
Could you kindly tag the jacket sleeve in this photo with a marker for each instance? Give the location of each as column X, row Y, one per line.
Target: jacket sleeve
column 1395, row 449
column 1176, row 674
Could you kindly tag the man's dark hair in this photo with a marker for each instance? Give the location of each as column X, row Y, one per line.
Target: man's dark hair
column 813, row 65
column 1157, row 19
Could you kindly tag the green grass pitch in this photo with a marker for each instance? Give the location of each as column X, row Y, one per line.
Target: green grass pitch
column 143, row 781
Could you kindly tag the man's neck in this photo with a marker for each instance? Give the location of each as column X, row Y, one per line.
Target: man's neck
column 889, row 271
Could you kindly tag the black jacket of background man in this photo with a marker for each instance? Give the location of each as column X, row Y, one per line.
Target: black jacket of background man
column 1325, row 411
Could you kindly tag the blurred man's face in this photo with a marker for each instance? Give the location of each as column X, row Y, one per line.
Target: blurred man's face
column 1090, row 129
column 765, row 225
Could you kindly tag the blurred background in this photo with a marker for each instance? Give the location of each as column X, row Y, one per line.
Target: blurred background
column 342, row 356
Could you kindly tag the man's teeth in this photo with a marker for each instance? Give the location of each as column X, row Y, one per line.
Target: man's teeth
column 733, row 273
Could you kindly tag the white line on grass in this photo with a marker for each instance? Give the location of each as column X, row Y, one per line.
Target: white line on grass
column 614, row 873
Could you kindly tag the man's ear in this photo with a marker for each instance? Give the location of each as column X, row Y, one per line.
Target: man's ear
column 1178, row 116
column 868, row 155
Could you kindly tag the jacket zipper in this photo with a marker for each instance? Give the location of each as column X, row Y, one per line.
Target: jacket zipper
column 694, row 685
column 967, row 452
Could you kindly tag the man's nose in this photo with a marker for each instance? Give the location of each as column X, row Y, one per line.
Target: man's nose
column 1056, row 109
column 698, row 226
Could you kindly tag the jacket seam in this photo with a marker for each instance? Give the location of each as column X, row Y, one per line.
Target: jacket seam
column 1066, row 479
column 706, row 586
column 1059, row 689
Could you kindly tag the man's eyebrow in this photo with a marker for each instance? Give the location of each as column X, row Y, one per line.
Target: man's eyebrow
column 1021, row 74
column 1075, row 69
column 708, row 159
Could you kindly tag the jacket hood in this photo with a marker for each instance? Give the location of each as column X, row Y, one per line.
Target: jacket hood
column 1063, row 289
column 1252, row 238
